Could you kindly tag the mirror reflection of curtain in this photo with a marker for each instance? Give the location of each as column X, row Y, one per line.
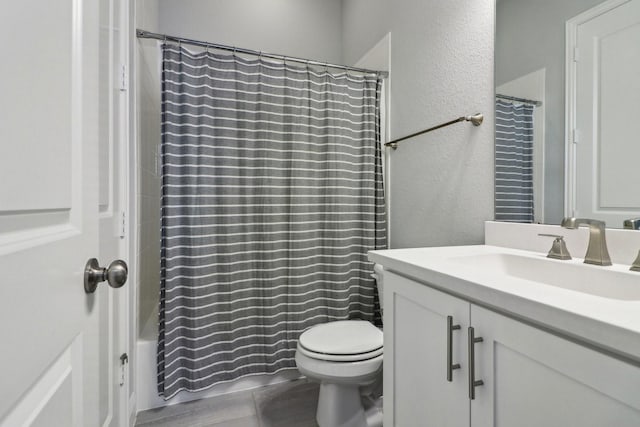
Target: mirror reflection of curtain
column 514, row 162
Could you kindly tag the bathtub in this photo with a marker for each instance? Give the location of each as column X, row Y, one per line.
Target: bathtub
column 146, row 376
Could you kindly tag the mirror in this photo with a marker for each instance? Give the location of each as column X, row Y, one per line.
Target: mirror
column 603, row 170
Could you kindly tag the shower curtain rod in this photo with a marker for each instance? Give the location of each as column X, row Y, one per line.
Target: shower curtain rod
column 476, row 119
column 523, row 100
column 142, row 34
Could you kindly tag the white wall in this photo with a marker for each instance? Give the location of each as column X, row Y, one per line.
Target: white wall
column 148, row 178
column 441, row 68
column 303, row 28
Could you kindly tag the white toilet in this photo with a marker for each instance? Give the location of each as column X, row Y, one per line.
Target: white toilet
column 345, row 357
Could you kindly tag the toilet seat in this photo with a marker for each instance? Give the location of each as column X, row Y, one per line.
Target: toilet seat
column 354, row 372
column 342, row 341
column 340, row 358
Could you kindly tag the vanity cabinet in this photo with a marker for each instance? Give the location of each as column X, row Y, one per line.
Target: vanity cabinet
column 534, row 378
column 415, row 320
column 530, row 377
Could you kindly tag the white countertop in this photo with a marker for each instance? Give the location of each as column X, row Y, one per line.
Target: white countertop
column 610, row 324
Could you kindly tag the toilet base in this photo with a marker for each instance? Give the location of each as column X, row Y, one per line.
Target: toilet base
column 341, row 405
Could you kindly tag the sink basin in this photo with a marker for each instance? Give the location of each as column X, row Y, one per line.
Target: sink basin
column 573, row 275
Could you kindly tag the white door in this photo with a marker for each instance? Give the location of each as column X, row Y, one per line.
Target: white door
column 417, row 391
column 607, row 113
column 533, row 378
column 52, row 216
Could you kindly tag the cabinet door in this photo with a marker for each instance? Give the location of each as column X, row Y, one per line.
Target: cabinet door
column 416, row 389
column 533, row 378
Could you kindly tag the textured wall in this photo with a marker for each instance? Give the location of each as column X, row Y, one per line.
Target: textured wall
column 441, row 68
column 303, row 28
column 530, row 36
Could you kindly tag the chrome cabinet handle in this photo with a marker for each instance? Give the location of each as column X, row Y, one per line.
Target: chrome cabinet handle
column 116, row 274
column 473, row 383
column 450, row 365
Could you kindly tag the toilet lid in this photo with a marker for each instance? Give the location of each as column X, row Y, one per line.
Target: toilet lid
column 343, row 337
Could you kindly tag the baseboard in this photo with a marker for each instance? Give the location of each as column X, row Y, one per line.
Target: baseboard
column 133, row 409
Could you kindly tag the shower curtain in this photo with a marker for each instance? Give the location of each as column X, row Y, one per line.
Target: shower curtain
column 271, row 197
column 514, row 162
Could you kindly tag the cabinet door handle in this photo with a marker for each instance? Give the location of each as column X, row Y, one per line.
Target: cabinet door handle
column 473, row 383
column 450, row 365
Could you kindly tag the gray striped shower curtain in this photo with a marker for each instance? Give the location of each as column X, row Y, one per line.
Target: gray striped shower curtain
column 514, row 162
column 271, row 197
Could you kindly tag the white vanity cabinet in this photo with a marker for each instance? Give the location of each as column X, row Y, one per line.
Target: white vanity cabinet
column 534, row 378
column 416, row 389
column 530, row 377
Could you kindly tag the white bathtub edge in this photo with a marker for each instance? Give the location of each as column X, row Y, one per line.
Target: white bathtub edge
column 146, row 389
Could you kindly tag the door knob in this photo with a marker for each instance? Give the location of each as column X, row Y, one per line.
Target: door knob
column 115, row 274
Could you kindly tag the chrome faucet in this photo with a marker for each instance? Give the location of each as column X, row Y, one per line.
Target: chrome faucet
column 597, row 252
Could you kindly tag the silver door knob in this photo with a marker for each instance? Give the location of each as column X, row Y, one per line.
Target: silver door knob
column 115, row 274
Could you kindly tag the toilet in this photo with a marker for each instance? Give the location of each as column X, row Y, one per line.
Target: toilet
column 345, row 357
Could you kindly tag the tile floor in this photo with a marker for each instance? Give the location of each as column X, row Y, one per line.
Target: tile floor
column 290, row 404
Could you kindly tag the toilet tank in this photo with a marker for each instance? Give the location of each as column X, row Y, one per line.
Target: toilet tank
column 377, row 274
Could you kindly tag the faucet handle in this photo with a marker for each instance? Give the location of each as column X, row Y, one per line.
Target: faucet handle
column 558, row 248
column 632, row 224
column 636, row 264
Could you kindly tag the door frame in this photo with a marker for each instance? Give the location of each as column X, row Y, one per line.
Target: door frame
column 126, row 324
column 122, row 321
column 571, row 40
column 131, row 216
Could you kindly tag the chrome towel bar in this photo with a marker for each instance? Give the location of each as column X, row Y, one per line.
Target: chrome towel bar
column 476, row 119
